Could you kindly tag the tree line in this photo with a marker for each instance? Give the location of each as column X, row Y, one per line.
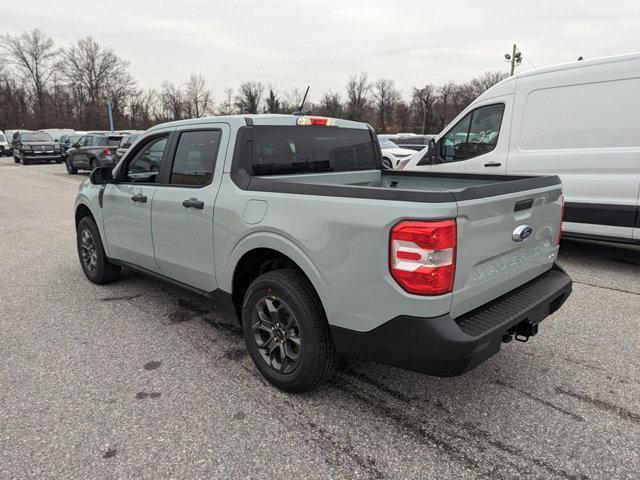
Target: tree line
column 43, row 85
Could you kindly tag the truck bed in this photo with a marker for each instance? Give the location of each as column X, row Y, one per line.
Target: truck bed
column 402, row 186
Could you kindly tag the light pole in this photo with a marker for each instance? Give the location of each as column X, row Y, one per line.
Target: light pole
column 515, row 58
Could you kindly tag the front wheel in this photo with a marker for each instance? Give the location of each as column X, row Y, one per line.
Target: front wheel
column 286, row 331
column 23, row 159
column 387, row 163
column 95, row 264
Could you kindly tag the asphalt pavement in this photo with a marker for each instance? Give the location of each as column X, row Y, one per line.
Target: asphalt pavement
column 140, row 380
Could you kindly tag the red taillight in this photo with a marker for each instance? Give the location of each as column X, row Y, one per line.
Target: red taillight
column 422, row 256
column 107, row 151
column 561, row 219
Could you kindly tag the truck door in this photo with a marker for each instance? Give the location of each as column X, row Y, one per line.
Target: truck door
column 127, row 205
column 182, row 211
column 478, row 142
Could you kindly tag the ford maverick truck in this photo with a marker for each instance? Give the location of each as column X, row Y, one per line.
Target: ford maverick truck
column 293, row 224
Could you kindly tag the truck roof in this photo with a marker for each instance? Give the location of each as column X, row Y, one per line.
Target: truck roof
column 240, row 120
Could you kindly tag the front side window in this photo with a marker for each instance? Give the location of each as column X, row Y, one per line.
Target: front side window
column 195, row 157
column 83, row 142
column 279, row 150
column 476, row 134
column 145, row 166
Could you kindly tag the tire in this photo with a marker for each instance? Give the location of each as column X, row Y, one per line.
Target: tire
column 93, row 260
column 286, row 296
column 93, row 164
column 59, row 161
column 387, row 163
column 70, row 169
column 23, row 160
column 16, row 159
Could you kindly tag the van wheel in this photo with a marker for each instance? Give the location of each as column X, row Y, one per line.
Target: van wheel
column 94, row 262
column 286, row 331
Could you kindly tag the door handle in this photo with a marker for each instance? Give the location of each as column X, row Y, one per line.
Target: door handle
column 138, row 197
column 492, row 164
column 193, row 203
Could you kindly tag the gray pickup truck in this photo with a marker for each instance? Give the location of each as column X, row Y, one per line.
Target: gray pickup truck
column 293, row 224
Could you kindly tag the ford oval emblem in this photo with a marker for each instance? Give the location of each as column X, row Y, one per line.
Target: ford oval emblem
column 521, row 233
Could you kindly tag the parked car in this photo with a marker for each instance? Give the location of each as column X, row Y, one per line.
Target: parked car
column 392, row 154
column 125, row 144
column 292, row 223
column 57, row 133
column 29, row 147
column 92, row 151
column 413, row 142
column 577, row 120
column 5, row 147
column 67, row 141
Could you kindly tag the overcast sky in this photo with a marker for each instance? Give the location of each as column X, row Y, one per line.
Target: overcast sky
column 321, row 43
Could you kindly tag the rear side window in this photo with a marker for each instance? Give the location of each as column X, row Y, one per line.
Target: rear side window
column 311, row 149
column 195, row 157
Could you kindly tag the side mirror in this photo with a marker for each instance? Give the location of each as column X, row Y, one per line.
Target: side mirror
column 430, row 155
column 75, row 145
column 56, row 140
column 101, row 176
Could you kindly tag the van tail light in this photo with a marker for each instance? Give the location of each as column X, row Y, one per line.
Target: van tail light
column 422, row 256
column 561, row 219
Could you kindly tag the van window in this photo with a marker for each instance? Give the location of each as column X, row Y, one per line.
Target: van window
column 476, row 134
column 593, row 115
column 195, row 157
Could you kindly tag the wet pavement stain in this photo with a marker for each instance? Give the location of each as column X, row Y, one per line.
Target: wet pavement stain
column 145, row 395
column 235, row 353
column 122, row 297
column 110, row 453
column 152, row 365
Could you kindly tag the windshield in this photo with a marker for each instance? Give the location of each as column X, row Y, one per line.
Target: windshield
column 311, row 149
column 2, row 137
column 74, row 138
column 386, row 143
column 35, row 137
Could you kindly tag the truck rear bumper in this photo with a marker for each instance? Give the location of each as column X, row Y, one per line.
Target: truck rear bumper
column 446, row 347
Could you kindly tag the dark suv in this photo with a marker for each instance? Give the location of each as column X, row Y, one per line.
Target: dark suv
column 31, row 147
column 92, row 151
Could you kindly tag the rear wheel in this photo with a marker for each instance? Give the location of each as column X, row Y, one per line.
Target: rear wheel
column 93, row 164
column 286, row 331
column 70, row 169
column 95, row 264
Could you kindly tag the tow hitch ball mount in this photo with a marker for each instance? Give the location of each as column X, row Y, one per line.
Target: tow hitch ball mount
column 521, row 332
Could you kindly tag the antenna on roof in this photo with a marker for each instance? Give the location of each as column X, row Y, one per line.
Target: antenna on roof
column 299, row 111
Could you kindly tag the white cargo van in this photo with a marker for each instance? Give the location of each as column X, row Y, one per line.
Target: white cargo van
column 579, row 120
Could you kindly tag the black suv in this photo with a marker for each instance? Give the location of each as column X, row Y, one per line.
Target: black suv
column 92, row 151
column 29, row 147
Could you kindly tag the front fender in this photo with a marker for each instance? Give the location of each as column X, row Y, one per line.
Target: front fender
column 89, row 197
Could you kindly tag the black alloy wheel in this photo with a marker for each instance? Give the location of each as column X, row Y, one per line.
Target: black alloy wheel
column 277, row 334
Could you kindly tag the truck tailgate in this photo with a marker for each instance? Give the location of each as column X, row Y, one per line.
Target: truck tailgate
column 490, row 262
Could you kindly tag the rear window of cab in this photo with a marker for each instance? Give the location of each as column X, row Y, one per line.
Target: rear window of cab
column 280, row 150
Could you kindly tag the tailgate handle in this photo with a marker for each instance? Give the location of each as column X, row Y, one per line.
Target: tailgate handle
column 492, row 164
column 523, row 205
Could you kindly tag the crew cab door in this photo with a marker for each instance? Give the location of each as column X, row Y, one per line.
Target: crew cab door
column 478, row 142
column 183, row 207
column 127, row 204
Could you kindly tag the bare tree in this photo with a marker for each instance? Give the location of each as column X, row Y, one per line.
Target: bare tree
column 227, row 107
column 358, row 88
column 198, row 98
column 330, row 105
column 423, row 99
column 96, row 75
column 403, row 116
column 273, row 104
column 249, row 97
column 172, row 101
column 32, row 54
column 386, row 97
